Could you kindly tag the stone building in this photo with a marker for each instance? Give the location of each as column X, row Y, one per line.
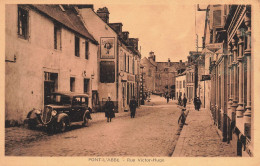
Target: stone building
column 228, row 43
column 118, row 58
column 149, row 71
column 159, row 77
column 47, row 48
column 165, row 77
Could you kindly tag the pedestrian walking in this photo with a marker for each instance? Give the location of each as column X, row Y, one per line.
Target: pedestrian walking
column 198, row 101
column 184, row 101
column 109, row 109
column 179, row 100
column 133, row 105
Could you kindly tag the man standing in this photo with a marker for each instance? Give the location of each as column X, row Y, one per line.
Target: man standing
column 109, row 109
column 133, row 105
column 195, row 102
column 184, row 100
column 168, row 97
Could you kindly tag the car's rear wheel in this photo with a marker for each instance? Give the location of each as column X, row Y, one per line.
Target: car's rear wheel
column 85, row 122
column 63, row 125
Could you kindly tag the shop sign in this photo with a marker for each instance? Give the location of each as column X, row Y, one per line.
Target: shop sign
column 205, row 77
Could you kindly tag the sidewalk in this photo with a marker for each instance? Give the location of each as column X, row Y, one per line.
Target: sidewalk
column 199, row 138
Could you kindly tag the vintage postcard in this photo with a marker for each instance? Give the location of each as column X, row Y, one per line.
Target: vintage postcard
column 129, row 82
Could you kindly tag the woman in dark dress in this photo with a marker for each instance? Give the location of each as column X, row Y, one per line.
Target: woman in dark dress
column 109, row 109
column 133, row 105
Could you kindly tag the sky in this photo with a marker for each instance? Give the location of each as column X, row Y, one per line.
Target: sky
column 167, row 29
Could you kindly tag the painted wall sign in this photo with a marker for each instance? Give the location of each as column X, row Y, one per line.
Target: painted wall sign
column 107, row 45
column 130, row 78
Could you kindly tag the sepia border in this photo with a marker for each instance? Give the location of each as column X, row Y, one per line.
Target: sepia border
column 223, row 161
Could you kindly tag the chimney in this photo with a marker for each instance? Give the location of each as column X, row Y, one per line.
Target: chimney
column 117, row 27
column 103, row 13
column 125, row 36
column 152, row 55
column 134, row 42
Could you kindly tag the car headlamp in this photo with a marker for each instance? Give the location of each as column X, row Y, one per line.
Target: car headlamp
column 38, row 111
column 53, row 113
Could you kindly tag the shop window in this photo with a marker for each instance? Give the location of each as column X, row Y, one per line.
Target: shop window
column 107, row 72
column 23, row 17
column 72, row 84
column 76, row 46
column 86, row 49
column 57, row 37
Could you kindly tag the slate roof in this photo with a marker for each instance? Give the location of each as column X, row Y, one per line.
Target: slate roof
column 69, row 18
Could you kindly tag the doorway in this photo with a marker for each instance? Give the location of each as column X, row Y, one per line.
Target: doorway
column 50, row 85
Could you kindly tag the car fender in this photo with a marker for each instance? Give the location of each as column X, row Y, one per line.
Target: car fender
column 32, row 114
column 62, row 115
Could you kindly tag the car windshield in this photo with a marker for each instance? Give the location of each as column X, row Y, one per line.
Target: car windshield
column 59, row 99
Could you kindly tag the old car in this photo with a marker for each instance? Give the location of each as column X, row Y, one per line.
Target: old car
column 62, row 109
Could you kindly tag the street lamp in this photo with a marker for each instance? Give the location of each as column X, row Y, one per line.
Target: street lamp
column 142, row 100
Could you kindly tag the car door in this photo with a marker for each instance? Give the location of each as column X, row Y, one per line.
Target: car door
column 76, row 109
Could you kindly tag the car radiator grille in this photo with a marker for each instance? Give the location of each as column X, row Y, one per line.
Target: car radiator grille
column 46, row 115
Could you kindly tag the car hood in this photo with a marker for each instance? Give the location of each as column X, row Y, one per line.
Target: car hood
column 58, row 106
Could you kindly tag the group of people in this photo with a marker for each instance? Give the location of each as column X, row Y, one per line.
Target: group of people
column 109, row 108
column 168, row 97
column 183, row 101
column 196, row 101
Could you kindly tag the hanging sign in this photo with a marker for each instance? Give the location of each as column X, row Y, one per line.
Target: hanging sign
column 214, row 46
column 107, row 45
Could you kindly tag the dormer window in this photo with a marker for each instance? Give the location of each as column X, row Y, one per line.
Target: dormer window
column 23, row 27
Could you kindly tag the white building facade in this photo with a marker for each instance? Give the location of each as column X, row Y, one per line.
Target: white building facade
column 45, row 53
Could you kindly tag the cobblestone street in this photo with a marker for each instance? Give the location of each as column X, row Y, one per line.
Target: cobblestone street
column 151, row 133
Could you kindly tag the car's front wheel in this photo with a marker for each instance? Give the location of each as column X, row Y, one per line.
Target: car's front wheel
column 32, row 124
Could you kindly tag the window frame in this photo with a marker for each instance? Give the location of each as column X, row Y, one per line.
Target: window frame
column 77, row 51
column 72, row 84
